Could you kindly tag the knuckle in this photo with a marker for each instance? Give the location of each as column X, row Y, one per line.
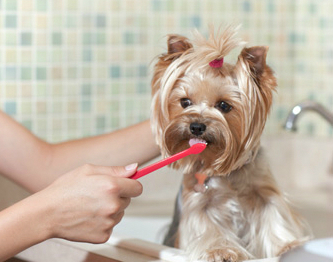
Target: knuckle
column 113, row 188
column 114, row 208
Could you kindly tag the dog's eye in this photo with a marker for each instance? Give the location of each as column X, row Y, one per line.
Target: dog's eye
column 224, row 107
column 185, row 102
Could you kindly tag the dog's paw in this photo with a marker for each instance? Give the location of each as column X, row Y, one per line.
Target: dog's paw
column 289, row 246
column 223, row 255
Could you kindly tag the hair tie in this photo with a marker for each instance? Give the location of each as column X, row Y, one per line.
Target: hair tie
column 217, row 63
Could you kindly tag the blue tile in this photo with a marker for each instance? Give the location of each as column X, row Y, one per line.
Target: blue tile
column 10, row 107
column 41, row 73
column 86, row 55
column 26, row 38
column 10, row 73
column 86, row 90
column 271, row 7
column 129, row 38
column 100, row 21
column 11, row 21
column 157, row 5
column 142, row 87
column 115, row 72
column 86, row 106
column 246, row 6
column 196, row 21
column 142, row 71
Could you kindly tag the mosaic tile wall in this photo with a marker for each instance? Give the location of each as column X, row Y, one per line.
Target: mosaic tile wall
column 72, row 68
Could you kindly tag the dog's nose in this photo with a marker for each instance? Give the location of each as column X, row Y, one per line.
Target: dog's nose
column 197, row 128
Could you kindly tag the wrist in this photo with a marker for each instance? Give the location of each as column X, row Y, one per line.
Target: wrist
column 23, row 225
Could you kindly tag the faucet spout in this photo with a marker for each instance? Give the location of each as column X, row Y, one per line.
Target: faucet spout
column 302, row 107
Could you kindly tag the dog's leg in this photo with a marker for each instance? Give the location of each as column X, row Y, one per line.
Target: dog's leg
column 273, row 226
column 171, row 238
column 209, row 224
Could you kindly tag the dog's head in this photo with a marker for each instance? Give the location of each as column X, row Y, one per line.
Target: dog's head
column 197, row 95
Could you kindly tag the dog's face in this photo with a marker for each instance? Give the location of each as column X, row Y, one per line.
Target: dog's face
column 226, row 106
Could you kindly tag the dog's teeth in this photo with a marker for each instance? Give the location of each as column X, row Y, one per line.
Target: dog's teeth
column 194, row 141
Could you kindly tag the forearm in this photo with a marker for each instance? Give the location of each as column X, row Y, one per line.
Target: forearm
column 34, row 164
column 134, row 144
column 21, row 226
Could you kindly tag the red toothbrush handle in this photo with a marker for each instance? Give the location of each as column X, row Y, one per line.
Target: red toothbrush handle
column 151, row 168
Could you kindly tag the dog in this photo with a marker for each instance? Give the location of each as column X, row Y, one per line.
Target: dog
column 229, row 207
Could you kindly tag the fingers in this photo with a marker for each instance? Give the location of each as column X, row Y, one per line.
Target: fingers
column 116, row 171
column 124, row 187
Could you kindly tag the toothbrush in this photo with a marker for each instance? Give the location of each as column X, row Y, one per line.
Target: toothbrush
column 194, row 149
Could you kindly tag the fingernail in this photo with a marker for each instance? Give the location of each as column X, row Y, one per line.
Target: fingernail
column 131, row 166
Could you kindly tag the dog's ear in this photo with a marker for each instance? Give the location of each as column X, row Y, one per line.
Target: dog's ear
column 256, row 58
column 177, row 45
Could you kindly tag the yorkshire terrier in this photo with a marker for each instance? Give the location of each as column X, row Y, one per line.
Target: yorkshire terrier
column 229, row 207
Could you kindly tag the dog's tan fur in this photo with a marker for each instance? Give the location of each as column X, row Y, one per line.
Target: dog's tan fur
column 243, row 214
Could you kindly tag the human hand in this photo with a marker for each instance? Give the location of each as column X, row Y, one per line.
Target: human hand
column 86, row 203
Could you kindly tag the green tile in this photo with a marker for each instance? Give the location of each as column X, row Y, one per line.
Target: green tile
column 26, row 107
column 27, row 124
column 87, row 38
column 57, row 21
column 57, row 55
column 100, row 122
column 72, row 4
column 41, row 56
column 41, row 90
column 11, row 21
column 114, row 106
column 86, row 90
column 11, row 38
column 72, row 72
column 41, row 5
column 100, row 39
column 115, row 122
column 11, row 5
column 115, row 88
column 26, row 73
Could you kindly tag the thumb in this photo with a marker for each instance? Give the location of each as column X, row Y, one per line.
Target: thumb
column 126, row 171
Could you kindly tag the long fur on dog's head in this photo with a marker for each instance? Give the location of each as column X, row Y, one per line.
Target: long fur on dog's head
column 233, row 136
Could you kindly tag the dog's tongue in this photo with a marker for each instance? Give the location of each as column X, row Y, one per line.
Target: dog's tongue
column 194, row 141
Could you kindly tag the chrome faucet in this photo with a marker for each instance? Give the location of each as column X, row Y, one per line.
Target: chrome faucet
column 306, row 106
